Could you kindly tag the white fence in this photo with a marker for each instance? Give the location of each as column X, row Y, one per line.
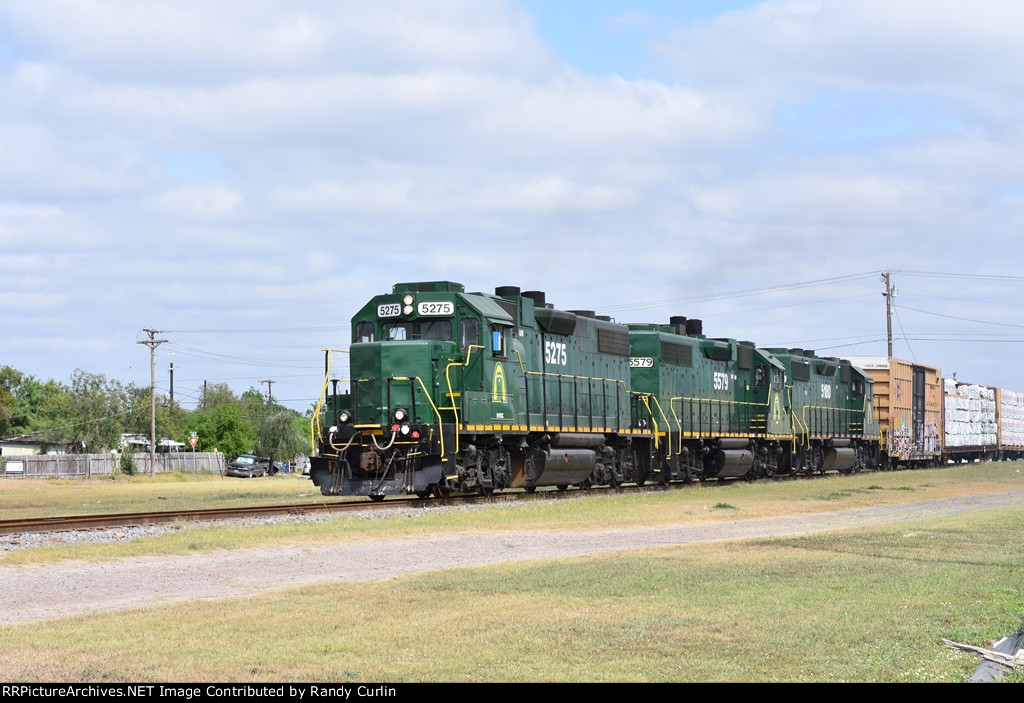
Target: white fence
column 89, row 465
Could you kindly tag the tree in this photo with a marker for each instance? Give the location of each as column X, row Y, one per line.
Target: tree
column 37, row 403
column 222, row 424
column 10, row 379
column 93, row 416
column 280, row 434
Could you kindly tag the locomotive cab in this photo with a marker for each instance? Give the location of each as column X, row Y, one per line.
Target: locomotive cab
column 389, row 434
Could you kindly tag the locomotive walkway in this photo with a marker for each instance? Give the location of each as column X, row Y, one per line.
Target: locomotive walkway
column 49, row 592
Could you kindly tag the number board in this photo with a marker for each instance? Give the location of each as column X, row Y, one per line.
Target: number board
column 440, row 308
column 389, row 310
column 641, row 362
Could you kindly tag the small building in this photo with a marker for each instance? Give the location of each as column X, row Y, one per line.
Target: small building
column 28, row 445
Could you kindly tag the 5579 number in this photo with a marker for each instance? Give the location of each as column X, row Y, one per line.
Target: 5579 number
column 721, row 381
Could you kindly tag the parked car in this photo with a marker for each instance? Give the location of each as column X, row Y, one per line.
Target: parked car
column 250, row 465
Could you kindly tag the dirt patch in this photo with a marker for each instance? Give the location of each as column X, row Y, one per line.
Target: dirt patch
column 68, row 589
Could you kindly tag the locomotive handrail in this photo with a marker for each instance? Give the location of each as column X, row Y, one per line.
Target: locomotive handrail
column 711, row 402
column 520, row 357
column 835, row 410
column 798, row 425
column 654, row 421
column 679, row 424
column 667, row 424
column 315, row 430
column 553, row 374
column 451, row 392
column 440, row 423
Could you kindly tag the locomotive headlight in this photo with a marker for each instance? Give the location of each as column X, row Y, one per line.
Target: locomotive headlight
column 405, row 430
column 401, row 414
column 407, row 310
column 407, row 300
column 345, row 417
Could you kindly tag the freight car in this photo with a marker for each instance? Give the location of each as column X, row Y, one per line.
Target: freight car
column 476, row 392
column 970, row 429
column 908, row 398
column 1010, row 424
column 981, row 423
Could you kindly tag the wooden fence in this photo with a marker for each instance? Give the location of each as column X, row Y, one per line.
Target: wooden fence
column 89, row 465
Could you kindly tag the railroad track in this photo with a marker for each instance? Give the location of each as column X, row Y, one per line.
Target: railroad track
column 67, row 523
column 100, row 521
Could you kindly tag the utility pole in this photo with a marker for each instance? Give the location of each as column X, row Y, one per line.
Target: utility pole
column 270, row 397
column 152, row 343
column 889, row 293
column 172, row 383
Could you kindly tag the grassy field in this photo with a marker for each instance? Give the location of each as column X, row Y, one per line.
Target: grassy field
column 694, row 504
column 858, row 605
column 25, row 498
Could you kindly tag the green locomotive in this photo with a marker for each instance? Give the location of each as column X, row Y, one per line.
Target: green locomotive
column 472, row 391
column 452, row 390
column 716, row 402
column 831, row 403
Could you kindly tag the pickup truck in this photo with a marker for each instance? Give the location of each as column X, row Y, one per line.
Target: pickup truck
column 250, row 465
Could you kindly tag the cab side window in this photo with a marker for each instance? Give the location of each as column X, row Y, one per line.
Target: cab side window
column 760, row 376
column 364, row 332
column 469, row 333
column 497, row 340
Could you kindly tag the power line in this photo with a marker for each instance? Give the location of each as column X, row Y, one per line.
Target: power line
column 964, row 300
column 965, row 319
column 900, row 322
column 738, row 293
column 974, row 276
column 267, row 331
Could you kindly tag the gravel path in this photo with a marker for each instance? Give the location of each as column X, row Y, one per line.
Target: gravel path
column 48, row 592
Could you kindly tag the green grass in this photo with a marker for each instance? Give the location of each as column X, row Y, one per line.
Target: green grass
column 24, row 498
column 857, row 605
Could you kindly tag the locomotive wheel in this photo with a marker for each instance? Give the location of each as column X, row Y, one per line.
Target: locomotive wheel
column 376, row 499
column 562, row 487
column 442, row 491
column 530, row 489
column 424, row 493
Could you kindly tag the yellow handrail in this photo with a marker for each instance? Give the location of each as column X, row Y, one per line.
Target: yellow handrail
column 440, row 424
column 451, row 391
column 314, row 422
column 644, row 397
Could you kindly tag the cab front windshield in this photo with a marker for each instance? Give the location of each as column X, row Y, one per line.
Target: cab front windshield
column 402, row 331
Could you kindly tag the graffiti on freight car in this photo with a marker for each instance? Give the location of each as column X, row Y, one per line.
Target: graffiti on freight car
column 904, row 446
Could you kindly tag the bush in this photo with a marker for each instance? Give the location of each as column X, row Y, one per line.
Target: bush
column 128, row 466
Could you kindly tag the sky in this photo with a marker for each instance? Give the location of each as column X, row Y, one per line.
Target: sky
column 244, row 176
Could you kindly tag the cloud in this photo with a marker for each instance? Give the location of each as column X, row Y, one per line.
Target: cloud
column 214, row 43
column 192, row 165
